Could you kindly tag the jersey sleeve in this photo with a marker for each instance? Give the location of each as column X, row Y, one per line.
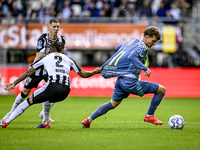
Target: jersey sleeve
column 118, row 47
column 41, row 44
column 134, row 57
column 74, row 66
column 38, row 63
column 63, row 40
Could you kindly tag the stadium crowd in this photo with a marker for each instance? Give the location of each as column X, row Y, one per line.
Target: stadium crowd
column 16, row 11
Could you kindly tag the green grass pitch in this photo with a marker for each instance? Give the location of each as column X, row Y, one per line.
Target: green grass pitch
column 121, row 128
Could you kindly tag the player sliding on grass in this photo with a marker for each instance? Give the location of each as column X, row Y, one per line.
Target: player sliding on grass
column 127, row 64
column 56, row 88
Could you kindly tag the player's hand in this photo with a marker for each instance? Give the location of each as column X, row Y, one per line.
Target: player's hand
column 9, row 87
column 148, row 72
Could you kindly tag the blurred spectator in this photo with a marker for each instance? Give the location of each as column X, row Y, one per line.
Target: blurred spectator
column 36, row 5
column 102, row 13
column 33, row 18
column 175, row 11
column 144, row 20
column 86, row 5
column 5, row 7
column 47, row 3
column 155, row 4
column 168, row 4
column 162, row 10
column 170, row 20
column 52, row 10
column 20, row 18
column 1, row 10
column 15, row 10
column 9, row 3
column 59, row 5
column 99, row 4
column 107, row 9
column 19, row 4
column 92, row 11
column 66, row 11
column 146, row 9
column 47, row 17
column 123, row 8
column 76, row 6
column 128, row 17
column 8, row 19
column 28, row 11
column 115, row 4
column 59, row 17
column 114, row 15
column 181, row 4
column 132, row 8
column 41, row 13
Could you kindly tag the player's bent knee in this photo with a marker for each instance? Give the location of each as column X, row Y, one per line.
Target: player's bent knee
column 161, row 89
column 115, row 104
column 30, row 99
column 26, row 91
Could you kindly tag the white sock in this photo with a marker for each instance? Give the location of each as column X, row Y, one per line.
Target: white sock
column 148, row 115
column 46, row 112
column 90, row 119
column 52, row 104
column 18, row 111
column 17, row 101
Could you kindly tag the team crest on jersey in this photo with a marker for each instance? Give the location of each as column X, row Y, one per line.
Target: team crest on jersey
column 39, row 44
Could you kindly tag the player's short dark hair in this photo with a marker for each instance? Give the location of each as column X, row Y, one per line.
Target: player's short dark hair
column 53, row 20
column 151, row 31
column 56, row 46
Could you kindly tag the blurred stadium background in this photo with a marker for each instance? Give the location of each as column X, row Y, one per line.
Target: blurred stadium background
column 93, row 28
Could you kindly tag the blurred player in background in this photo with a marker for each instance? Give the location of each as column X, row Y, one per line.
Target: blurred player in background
column 57, row 87
column 127, row 64
column 43, row 47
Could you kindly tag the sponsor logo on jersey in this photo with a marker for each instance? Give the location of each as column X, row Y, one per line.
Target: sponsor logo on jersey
column 39, row 44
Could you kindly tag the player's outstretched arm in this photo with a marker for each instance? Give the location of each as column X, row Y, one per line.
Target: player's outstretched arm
column 86, row 74
column 11, row 86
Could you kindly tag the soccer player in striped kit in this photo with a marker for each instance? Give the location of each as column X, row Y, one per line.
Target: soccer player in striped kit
column 43, row 47
column 56, row 88
column 127, row 64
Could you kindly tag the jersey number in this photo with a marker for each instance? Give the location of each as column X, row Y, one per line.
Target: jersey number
column 119, row 56
column 58, row 61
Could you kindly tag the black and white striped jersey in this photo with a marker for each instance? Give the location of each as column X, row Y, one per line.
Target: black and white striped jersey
column 43, row 45
column 58, row 67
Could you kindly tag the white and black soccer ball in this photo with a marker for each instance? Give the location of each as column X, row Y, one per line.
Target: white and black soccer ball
column 176, row 122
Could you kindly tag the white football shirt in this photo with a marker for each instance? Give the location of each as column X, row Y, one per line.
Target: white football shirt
column 58, row 67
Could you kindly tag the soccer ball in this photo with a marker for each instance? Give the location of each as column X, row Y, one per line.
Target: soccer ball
column 176, row 122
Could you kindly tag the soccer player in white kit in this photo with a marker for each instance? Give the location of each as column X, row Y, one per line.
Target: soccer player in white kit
column 43, row 47
column 56, row 88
